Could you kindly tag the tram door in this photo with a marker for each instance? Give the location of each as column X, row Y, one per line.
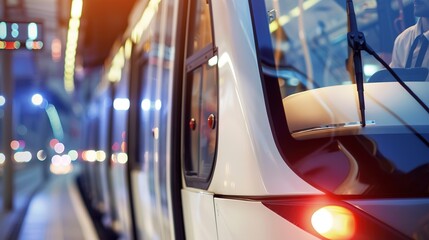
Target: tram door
column 151, row 178
column 200, row 122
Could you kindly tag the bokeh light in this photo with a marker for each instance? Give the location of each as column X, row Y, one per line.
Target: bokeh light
column 59, row 148
column 37, row 99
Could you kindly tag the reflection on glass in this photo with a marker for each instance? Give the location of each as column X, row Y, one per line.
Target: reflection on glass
column 309, row 56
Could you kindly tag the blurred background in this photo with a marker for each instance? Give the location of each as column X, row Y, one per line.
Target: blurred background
column 51, row 57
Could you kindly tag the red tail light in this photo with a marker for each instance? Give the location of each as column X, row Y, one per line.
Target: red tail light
column 334, row 222
column 331, row 219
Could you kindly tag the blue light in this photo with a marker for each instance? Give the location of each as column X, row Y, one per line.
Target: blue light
column 2, row 100
column 121, row 104
column 37, row 99
column 32, row 31
column 145, row 105
column 3, row 30
column 15, row 30
column 158, row 104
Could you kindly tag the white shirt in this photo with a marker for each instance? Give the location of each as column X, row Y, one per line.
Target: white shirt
column 403, row 44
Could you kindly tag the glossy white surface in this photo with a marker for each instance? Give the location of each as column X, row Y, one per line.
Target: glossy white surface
column 199, row 215
column 121, row 199
column 248, row 162
column 387, row 105
column 147, row 216
column 152, row 182
column 252, row 220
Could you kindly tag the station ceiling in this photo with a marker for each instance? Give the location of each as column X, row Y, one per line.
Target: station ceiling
column 103, row 21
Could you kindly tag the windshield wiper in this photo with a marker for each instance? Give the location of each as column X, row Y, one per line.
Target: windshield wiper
column 357, row 42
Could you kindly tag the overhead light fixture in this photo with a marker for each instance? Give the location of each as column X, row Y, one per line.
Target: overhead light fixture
column 71, row 45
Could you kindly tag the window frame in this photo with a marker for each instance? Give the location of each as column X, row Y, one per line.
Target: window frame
column 198, row 59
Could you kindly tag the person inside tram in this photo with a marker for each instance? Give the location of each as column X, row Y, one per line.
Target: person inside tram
column 410, row 47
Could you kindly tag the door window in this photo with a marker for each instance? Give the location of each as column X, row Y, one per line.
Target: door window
column 201, row 98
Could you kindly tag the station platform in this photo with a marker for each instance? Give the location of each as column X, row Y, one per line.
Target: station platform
column 57, row 211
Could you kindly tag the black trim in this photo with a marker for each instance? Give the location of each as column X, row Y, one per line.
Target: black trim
column 132, row 136
column 109, row 152
column 265, row 55
column 199, row 58
column 140, row 61
column 104, row 232
column 176, row 110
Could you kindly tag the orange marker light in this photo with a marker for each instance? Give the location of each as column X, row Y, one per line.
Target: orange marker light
column 334, row 222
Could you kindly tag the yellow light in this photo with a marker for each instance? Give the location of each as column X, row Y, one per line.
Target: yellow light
column 115, row 72
column 76, row 8
column 74, row 24
column 72, row 40
column 2, row 158
column 122, row 158
column 90, row 155
column 22, row 157
column 101, row 156
column 73, row 155
column 334, row 222
column 281, row 21
column 128, row 48
column 145, row 20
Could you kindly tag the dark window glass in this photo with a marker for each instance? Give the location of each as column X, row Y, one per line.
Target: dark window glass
column 306, row 53
column 146, row 114
column 200, row 99
column 208, row 113
column 194, row 87
column 200, row 34
column 201, row 140
column 366, row 164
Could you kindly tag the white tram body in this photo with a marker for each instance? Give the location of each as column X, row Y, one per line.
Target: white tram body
column 243, row 122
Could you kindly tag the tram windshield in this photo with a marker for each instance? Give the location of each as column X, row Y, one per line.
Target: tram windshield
column 374, row 146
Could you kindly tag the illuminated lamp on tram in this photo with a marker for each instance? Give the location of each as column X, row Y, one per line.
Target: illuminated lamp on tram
column 330, row 218
column 334, row 222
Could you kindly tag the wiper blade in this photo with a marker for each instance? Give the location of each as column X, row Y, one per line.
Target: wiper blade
column 357, row 42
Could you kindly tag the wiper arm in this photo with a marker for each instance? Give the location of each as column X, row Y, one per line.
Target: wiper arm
column 400, row 81
column 357, row 43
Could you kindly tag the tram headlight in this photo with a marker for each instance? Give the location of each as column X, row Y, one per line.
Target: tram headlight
column 334, row 222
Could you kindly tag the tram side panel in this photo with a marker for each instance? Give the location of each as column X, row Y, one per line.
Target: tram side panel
column 150, row 179
column 119, row 158
column 246, row 161
column 104, row 205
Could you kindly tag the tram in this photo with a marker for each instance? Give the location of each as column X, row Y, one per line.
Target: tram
column 260, row 119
